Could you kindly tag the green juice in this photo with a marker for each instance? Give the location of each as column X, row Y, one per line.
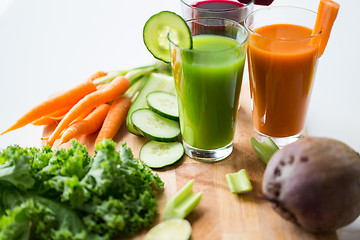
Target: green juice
column 208, row 82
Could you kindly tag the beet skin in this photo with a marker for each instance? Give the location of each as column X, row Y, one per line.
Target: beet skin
column 315, row 182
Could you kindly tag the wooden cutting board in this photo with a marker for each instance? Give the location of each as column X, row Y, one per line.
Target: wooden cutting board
column 220, row 214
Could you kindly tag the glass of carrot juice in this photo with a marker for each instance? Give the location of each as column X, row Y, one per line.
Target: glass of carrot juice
column 282, row 56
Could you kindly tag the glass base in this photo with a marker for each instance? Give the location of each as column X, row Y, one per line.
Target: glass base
column 204, row 155
column 280, row 141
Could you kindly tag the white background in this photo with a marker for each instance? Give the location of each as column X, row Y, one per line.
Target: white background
column 47, row 46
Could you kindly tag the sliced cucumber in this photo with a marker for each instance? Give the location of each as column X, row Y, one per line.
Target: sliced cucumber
column 160, row 154
column 156, row 30
column 156, row 82
column 163, row 103
column 174, row 229
column 155, row 127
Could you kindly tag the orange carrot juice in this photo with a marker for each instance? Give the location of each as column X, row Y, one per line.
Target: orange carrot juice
column 282, row 62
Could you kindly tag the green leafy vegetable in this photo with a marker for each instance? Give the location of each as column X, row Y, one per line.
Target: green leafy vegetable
column 239, row 182
column 67, row 194
column 16, row 166
column 264, row 149
column 183, row 202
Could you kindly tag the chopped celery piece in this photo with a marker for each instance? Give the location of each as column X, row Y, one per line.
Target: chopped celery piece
column 239, row 182
column 182, row 203
column 264, row 149
column 174, row 229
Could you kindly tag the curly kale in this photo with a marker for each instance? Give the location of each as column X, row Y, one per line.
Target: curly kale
column 74, row 195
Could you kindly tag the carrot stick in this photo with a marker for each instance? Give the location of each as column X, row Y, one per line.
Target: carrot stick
column 114, row 119
column 327, row 12
column 89, row 125
column 67, row 98
column 52, row 117
column 116, row 88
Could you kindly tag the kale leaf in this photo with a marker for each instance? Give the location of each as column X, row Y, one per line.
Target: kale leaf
column 67, row 194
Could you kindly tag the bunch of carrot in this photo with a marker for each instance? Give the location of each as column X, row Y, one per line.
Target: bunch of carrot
column 100, row 103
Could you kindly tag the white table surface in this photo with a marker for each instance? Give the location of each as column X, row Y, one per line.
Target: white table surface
column 49, row 45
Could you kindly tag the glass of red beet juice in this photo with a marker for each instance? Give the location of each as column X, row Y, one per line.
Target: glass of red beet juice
column 236, row 10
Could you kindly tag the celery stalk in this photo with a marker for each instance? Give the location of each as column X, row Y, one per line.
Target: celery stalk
column 264, row 149
column 136, row 73
column 183, row 202
column 136, row 87
column 109, row 77
column 238, row 182
column 133, row 74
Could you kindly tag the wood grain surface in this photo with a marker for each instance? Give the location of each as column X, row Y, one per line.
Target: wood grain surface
column 220, row 214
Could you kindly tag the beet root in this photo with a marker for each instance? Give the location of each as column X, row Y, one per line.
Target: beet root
column 315, row 183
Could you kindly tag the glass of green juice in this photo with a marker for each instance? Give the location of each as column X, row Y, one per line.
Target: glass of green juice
column 208, row 80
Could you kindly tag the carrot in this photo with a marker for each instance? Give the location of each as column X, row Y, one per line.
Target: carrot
column 114, row 119
column 52, row 117
column 327, row 12
column 56, row 118
column 89, row 125
column 43, row 121
column 96, row 75
column 114, row 89
column 84, row 114
column 67, row 98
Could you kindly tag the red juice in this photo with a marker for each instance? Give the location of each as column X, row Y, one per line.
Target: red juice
column 218, row 5
column 229, row 9
column 228, row 4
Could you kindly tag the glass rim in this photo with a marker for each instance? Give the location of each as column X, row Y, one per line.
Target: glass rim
column 246, row 21
column 238, row 25
column 220, row 10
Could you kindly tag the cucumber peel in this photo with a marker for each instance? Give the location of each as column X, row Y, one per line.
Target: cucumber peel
column 239, row 182
column 182, row 203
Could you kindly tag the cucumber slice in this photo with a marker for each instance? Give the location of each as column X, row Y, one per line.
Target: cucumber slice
column 156, row 30
column 156, row 82
column 155, row 127
column 174, row 229
column 160, row 154
column 164, row 104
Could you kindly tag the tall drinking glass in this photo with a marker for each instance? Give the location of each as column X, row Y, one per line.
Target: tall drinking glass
column 282, row 58
column 208, row 80
column 230, row 9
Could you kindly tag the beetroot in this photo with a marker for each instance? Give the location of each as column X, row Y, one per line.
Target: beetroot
column 315, row 183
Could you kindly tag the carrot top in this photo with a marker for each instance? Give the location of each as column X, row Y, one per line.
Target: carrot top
column 327, row 12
